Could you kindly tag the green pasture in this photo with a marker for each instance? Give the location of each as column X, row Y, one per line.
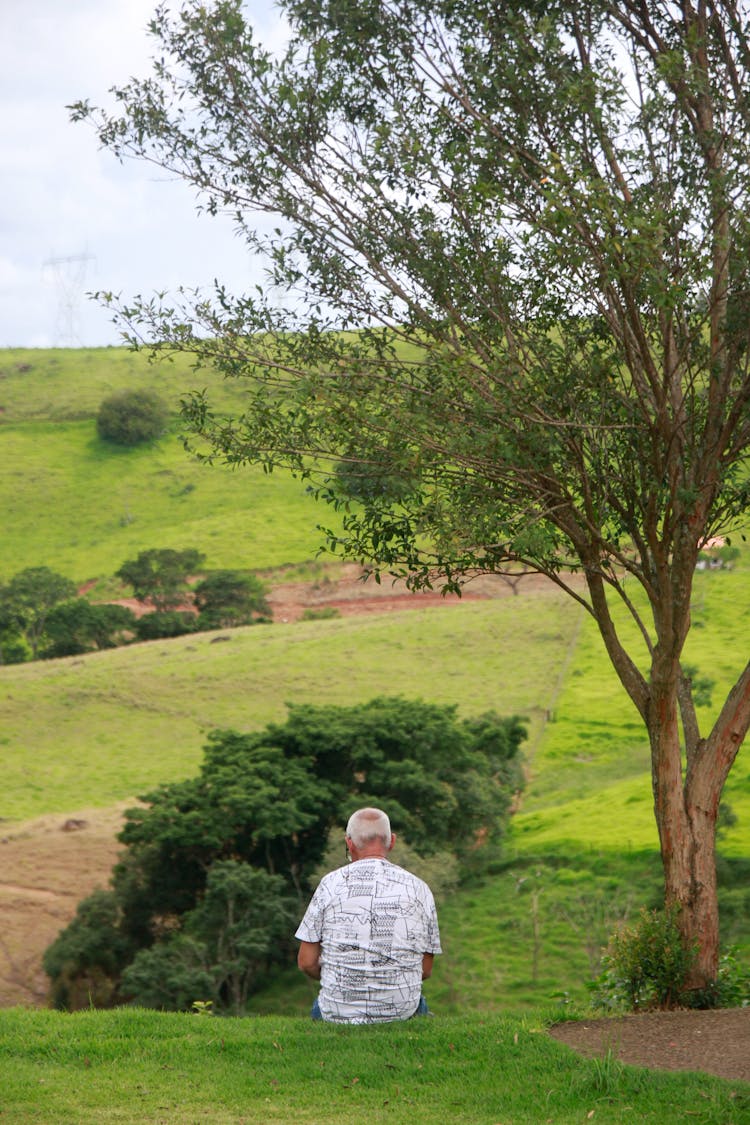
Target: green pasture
column 93, row 730
column 591, row 771
column 68, row 384
column 82, row 506
column 138, row 1066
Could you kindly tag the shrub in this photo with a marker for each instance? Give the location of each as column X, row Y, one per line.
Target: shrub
column 647, row 964
column 731, row 989
column 170, row 623
column 79, row 626
column 132, row 417
column 84, row 960
column 14, row 650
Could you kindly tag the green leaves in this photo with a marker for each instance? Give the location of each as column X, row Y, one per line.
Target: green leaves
column 161, row 575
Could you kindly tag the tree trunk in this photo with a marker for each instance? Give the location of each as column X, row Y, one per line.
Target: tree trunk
column 686, row 810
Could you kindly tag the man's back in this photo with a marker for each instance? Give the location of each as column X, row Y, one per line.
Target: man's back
column 375, row 921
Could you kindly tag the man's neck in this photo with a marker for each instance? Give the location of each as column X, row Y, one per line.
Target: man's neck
column 374, row 853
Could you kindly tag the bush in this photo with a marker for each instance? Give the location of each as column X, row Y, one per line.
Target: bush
column 170, row 623
column 646, row 965
column 132, row 417
column 84, row 960
column 731, row 988
column 14, row 650
column 325, row 613
column 79, row 626
column 227, row 598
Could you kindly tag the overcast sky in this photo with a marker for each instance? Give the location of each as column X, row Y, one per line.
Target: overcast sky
column 72, row 218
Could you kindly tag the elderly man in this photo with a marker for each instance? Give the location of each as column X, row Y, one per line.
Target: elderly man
column 370, row 932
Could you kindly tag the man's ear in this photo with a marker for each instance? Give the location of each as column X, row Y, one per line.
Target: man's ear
column 393, row 840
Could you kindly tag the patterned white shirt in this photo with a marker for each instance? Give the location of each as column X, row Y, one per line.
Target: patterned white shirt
column 374, row 921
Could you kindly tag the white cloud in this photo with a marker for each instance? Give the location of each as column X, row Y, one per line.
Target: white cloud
column 63, row 198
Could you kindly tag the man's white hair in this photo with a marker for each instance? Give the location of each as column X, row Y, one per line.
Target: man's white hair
column 366, row 825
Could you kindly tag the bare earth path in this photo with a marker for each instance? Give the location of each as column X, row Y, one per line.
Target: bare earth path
column 713, row 1042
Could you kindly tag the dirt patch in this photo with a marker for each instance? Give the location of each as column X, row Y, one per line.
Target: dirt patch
column 351, row 594
column 716, row 1042
column 45, row 869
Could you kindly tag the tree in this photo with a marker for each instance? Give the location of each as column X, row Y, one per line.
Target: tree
column 28, row 600
column 228, row 597
column 132, row 417
column 213, row 866
column 165, row 623
column 82, row 961
column 161, row 575
column 514, row 242
column 79, row 626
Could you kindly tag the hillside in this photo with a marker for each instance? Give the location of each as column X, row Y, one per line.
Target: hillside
column 81, row 738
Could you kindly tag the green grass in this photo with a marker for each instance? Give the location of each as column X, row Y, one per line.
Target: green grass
column 136, row 1066
column 68, row 384
column 591, row 770
column 83, row 507
column 90, row 731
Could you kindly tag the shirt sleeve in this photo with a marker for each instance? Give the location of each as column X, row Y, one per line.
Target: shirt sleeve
column 433, row 932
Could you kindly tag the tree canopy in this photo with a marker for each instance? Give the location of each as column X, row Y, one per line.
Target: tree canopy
column 228, row 597
column 161, row 574
column 29, row 599
column 132, row 417
column 513, row 247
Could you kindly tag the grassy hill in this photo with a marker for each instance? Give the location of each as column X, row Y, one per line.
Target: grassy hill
column 92, row 731
column 83, row 506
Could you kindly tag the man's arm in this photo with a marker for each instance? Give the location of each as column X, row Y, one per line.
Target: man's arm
column 308, row 958
column 427, row 960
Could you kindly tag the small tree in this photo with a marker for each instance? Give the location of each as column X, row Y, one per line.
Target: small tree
column 229, row 597
column 243, row 917
column 161, row 575
column 132, row 417
column 28, row 600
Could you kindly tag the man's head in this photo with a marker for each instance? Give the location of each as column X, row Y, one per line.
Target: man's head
column 369, row 833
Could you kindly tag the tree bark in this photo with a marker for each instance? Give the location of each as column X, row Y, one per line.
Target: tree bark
column 686, row 805
column 687, row 837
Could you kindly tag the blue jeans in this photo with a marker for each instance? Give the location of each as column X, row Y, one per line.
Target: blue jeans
column 421, row 1010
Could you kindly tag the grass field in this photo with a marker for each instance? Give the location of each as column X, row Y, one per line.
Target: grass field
column 135, row 1066
column 96, row 729
column 82, row 507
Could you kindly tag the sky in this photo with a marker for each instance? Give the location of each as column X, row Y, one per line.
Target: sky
column 72, row 218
